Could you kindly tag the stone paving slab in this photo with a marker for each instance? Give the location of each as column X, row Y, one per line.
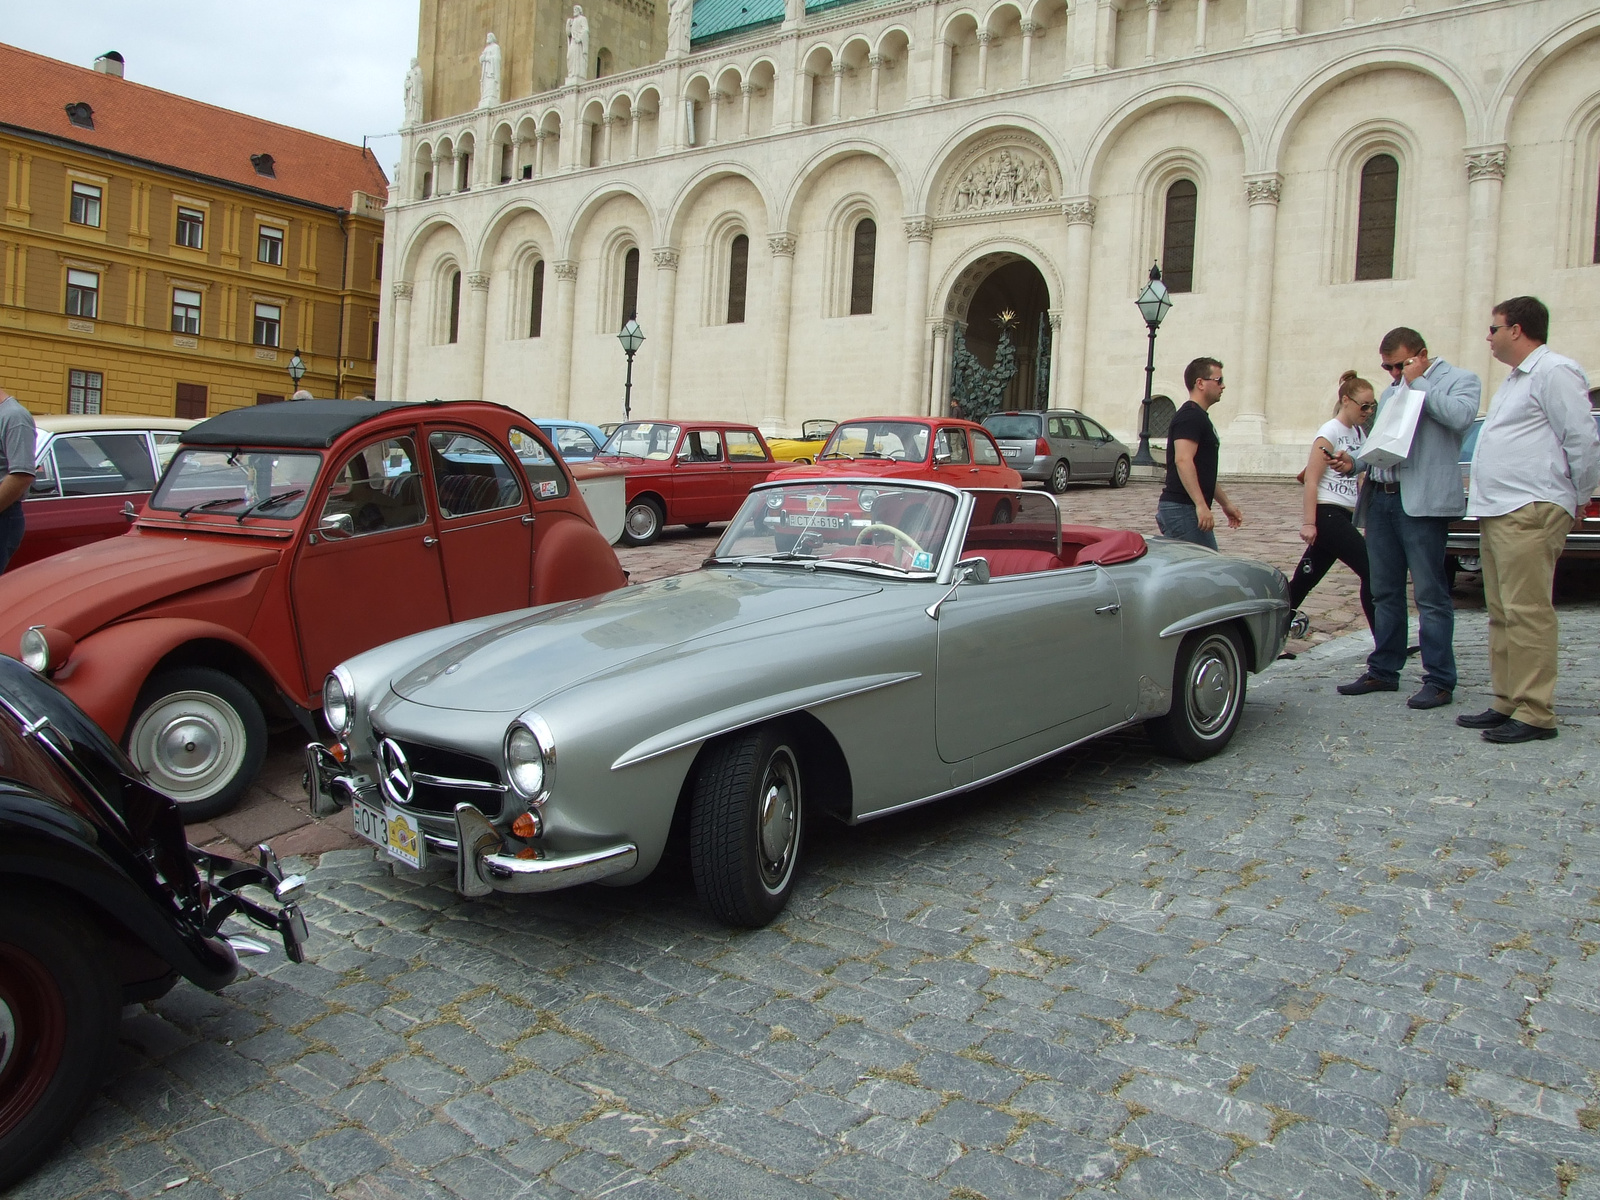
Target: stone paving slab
column 1354, row 956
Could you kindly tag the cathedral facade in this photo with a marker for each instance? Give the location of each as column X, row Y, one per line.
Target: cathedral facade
column 827, row 211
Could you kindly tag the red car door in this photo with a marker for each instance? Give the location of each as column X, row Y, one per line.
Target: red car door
column 370, row 569
column 701, row 480
column 485, row 520
column 952, row 461
column 749, row 463
column 84, row 481
column 989, row 468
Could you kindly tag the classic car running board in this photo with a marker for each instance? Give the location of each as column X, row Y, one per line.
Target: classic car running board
column 481, row 868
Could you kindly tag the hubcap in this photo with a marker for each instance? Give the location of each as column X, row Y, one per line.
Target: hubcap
column 33, row 1033
column 8, row 1034
column 641, row 520
column 190, row 743
column 1213, row 686
column 779, row 818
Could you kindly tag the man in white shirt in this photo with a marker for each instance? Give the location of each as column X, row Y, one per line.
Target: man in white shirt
column 1537, row 461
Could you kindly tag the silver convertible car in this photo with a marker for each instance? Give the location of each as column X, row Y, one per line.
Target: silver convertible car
column 561, row 744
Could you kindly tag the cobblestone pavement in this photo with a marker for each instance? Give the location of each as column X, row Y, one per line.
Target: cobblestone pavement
column 1353, row 956
column 275, row 809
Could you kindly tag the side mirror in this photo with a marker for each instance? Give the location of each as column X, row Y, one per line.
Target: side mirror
column 129, row 513
column 337, row 526
column 972, row 570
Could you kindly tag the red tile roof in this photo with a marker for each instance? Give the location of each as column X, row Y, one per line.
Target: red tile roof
column 159, row 127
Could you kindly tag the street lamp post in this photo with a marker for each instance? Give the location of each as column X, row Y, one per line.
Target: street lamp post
column 297, row 369
column 631, row 337
column 1154, row 304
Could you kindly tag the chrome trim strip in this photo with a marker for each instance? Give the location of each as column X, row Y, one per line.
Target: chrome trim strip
column 471, row 785
column 505, row 873
column 998, row 775
column 1223, row 612
column 765, row 709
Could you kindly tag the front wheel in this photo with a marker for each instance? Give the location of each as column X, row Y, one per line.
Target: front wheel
column 1120, row 472
column 1060, row 477
column 200, row 737
column 1207, row 696
column 60, row 1007
column 642, row 523
column 747, row 824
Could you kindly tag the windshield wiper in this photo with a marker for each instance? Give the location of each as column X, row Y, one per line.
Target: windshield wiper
column 838, row 454
column 271, row 502
column 866, row 562
column 205, row 505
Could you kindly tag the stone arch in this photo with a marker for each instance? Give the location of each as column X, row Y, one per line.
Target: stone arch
column 962, row 277
column 497, row 224
column 421, row 184
column 1151, row 185
column 502, row 167
column 424, row 233
column 885, row 35
column 1003, row 274
column 727, row 96
column 956, row 56
column 816, row 97
column 961, row 147
column 1516, row 84
column 893, row 49
column 578, row 226
column 687, row 195
column 1268, row 155
column 995, row 10
column 647, row 111
column 817, row 165
column 1144, row 104
column 590, row 125
column 762, row 77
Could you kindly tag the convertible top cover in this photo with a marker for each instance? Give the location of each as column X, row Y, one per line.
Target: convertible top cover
column 310, row 423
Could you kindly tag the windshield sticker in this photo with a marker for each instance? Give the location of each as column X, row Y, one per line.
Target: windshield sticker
column 548, row 488
column 815, row 503
column 922, row 561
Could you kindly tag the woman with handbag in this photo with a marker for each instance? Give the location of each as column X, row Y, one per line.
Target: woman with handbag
column 1329, row 498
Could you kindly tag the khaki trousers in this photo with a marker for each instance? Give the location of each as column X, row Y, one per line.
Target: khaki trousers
column 1519, row 553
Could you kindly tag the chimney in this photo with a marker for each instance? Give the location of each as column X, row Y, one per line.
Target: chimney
column 109, row 63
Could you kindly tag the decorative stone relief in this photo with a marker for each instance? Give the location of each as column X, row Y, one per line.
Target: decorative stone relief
column 566, row 270
column 781, row 243
column 1079, row 212
column 1487, row 164
column 402, row 291
column 478, row 282
column 666, row 258
column 919, row 229
column 1263, row 191
column 1007, row 178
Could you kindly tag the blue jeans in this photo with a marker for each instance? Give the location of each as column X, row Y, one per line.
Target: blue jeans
column 11, row 529
column 1180, row 522
column 1398, row 544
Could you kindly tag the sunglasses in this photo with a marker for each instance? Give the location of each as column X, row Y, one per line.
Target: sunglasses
column 1369, row 407
column 1494, row 329
column 1396, row 368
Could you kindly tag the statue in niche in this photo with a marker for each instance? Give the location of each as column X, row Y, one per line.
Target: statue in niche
column 577, row 45
column 680, row 18
column 489, row 73
column 413, row 97
column 1004, row 179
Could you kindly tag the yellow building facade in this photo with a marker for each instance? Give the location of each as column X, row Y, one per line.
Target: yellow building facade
column 162, row 257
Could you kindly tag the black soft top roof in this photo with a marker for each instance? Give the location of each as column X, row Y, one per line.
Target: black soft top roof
column 311, row 423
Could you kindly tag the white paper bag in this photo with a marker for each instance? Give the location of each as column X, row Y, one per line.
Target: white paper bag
column 1389, row 443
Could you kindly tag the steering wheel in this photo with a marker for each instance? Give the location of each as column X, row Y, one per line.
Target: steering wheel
column 905, row 539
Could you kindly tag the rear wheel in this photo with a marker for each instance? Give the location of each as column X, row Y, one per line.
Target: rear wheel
column 747, row 825
column 1002, row 513
column 642, row 523
column 1208, row 684
column 60, row 1007
column 1060, row 477
column 1120, row 472
column 200, row 736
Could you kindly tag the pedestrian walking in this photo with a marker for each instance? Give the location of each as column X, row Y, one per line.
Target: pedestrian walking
column 17, row 443
column 1537, row 462
column 1406, row 511
column 1328, row 526
column 1183, row 510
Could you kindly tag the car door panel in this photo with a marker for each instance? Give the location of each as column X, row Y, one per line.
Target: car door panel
column 701, row 479
column 485, row 524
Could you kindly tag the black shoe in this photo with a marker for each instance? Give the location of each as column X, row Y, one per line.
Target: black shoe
column 1513, row 730
column 1430, row 697
column 1367, row 683
column 1489, row 718
column 1413, row 651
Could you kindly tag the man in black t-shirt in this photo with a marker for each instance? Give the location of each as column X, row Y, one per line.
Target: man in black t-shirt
column 1184, row 509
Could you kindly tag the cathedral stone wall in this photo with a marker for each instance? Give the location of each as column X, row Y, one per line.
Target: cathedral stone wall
column 974, row 137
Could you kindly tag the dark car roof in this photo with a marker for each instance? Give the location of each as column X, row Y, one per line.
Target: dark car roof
column 313, row 423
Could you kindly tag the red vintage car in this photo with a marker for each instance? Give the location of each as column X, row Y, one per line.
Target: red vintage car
column 281, row 541
column 684, row 472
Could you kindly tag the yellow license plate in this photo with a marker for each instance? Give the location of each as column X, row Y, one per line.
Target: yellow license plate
column 405, row 838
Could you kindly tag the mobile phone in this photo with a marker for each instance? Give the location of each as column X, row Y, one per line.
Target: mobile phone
column 1326, row 453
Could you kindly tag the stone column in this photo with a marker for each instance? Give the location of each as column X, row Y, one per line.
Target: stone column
column 1349, row 13
column 566, row 274
column 399, row 335
column 633, row 135
column 1200, row 25
column 984, row 38
column 776, row 401
column 1291, row 18
column 475, row 331
column 1057, row 358
column 941, row 71
column 875, row 61
column 1029, row 28
column 666, row 321
column 540, row 137
column 1105, row 34
column 838, row 89
column 1486, row 172
column 519, row 151
column 746, row 91
column 713, row 123
column 938, row 399
column 1072, row 351
column 443, row 173
column 919, row 250
column 1261, row 241
column 1249, row 21
column 1152, row 14
column 607, row 123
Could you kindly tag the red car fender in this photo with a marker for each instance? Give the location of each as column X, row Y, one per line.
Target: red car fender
column 574, row 561
column 108, row 669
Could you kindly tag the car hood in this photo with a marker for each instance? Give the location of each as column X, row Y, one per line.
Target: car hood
column 517, row 664
column 80, row 590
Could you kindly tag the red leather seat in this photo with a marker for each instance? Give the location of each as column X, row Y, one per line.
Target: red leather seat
column 1018, row 562
column 1096, row 544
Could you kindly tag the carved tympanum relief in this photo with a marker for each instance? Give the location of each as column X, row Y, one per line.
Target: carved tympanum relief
column 1007, row 178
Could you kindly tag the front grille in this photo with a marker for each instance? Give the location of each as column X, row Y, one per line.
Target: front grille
column 442, row 798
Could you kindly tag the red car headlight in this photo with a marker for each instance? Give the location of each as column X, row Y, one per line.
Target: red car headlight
column 45, row 649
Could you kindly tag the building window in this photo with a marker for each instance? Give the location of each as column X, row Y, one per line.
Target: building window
column 191, row 228
column 536, row 301
column 427, row 185
column 83, row 294
column 84, row 389
column 268, row 398
column 377, row 258
column 86, row 204
column 269, row 320
column 1177, row 240
column 630, row 287
column 185, row 311
column 81, row 115
column 864, row 249
column 191, row 402
column 464, row 173
column 454, row 332
column 1380, row 196
column 264, row 165
column 738, row 274
column 269, row 245
column 372, row 343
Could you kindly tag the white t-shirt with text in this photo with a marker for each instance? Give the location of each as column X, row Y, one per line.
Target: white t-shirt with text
column 1334, row 488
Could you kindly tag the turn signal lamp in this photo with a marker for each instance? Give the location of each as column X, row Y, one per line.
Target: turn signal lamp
column 526, row 826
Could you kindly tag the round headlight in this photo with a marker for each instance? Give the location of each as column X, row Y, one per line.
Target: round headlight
column 338, row 700
column 867, row 498
column 529, row 757
column 36, row 650
column 774, row 498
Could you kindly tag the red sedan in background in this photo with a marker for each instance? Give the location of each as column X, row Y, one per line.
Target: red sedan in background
column 684, row 472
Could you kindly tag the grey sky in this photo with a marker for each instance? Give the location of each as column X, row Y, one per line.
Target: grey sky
column 335, row 67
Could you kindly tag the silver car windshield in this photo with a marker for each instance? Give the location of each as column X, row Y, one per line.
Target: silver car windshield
column 899, row 441
column 841, row 525
column 237, row 483
column 644, row 439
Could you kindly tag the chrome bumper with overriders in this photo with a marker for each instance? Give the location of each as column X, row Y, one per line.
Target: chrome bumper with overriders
column 489, row 864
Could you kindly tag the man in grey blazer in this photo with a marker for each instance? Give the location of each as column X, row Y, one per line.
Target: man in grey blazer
column 1406, row 511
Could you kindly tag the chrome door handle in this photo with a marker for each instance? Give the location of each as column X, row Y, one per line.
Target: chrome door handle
column 1106, row 610
column 527, row 518
column 430, row 541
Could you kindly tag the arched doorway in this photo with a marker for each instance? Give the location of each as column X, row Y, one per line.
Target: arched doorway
column 1001, row 337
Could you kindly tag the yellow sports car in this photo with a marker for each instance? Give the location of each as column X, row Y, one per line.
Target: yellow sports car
column 806, row 447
